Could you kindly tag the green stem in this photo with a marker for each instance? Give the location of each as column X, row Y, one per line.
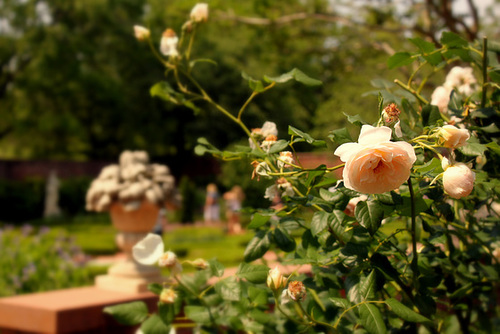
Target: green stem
column 485, row 72
column 321, row 323
column 413, row 231
column 353, row 307
column 157, row 55
column 412, row 91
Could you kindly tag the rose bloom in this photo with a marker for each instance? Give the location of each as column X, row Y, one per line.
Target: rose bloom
column 453, row 136
column 199, row 13
column 462, row 79
column 441, row 97
column 375, row 165
column 458, row 180
column 168, row 43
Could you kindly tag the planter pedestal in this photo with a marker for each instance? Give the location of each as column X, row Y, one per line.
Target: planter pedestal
column 129, row 275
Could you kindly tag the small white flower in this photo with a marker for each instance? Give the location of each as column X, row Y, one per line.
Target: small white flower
column 285, row 159
column 199, row 13
column 268, row 142
column 271, row 192
column 462, row 79
column 269, row 128
column 141, row 33
column 168, row 44
column 285, row 187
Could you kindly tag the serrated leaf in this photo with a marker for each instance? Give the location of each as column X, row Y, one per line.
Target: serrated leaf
column 474, row 149
column 341, row 302
column 430, row 115
column 305, row 136
column 258, row 295
column 423, row 45
column 279, row 146
column 296, row 75
column 367, row 286
column 229, row 289
column 198, row 314
column 337, row 224
column 399, row 59
column 283, row 240
column 216, row 268
column 319, row 222
column 405, row 312
column 257, row 247
column 154, row 324
column 166, row 312
column 340, row 136
column 493, row 146
column 355, row 119
column 128, row 314
column 253, row 273
column 369, row 215
column 371, row 319
column 451, row 39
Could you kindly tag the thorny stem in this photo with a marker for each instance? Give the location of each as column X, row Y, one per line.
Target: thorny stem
column 411, row 90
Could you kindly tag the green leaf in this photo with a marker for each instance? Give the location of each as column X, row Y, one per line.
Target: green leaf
column 216, row 268
column 258, row 220
column 258, row 295
column 255, row 85
column 474, row 149
column 369, row 215
column 340, row 136
column 279, row 146
column 381, row 263
column 404, row 312
column 423, row 45
column 253, row 273
column 155, row 288
column 430, row 115
column 337, row 223
column 371, row 319
column 400, row 59
column 192, row 63
column 128, row 314
column 367, row 286
column 341, row 302
column 257, row 247
column 493, row 146
column 305, row 136
column 154, row 324
column 296, row 75
column 164, row 91
column 166, row 312
column 198, row 314
column 355, row 119
column 451, row 39
column 283, row 240
column 229, row 289
column 319, row 222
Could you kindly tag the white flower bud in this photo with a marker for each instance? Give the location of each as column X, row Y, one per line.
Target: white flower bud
column 275, row 279
column 458, row 180
column 199, row 13
column 168, row 296
column 141, row 33
column 168, row 43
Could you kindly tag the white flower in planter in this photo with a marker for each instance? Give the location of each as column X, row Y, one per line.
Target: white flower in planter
column 151, row 250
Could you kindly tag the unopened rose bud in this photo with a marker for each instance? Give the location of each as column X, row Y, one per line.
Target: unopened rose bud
column 458, row 180
column 200, row 263
column 297, row 290
column 141, row 33
column 275, row 279
column 390, row 114
column 199, row 13
column 452, row 137
column 168, row 296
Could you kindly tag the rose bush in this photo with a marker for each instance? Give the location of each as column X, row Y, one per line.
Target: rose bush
column 406, row 242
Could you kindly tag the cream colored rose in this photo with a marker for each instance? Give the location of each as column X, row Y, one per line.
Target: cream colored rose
column 275, row 279
column 458, row 180
column 452, row 137
column 375, row 165
column 141, row 33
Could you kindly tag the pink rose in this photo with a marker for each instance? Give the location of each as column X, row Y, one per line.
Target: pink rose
column 458, row 180
column 452, row 136
column 375, row 165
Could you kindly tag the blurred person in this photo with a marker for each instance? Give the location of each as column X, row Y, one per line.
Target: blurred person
column 211, row 212
column 233, row 199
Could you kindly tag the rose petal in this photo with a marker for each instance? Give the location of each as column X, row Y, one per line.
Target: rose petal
column 149, row 250
column 371, row 135
column 347, row 150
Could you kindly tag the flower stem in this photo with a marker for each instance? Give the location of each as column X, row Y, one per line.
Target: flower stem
column 411, row 90
column 485, row 72
column 413, row 231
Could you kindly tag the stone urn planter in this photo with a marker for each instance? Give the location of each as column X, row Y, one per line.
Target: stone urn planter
column 133, row 192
